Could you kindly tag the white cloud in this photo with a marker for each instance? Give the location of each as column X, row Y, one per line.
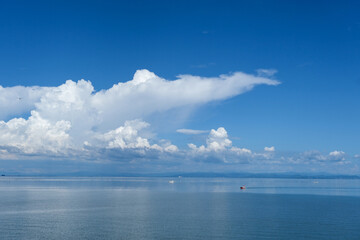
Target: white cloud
column 144, row 95
column 17, row 100
column 337, row 155
column 126, row 136
column 147, row 94
column 35, row 134
column 219, row 148
column 266, row 72
column 317, row 157
column 72, row 115
column 269, row 149
column 129, row 136
column 191, row 131
column 74, row 121
column 241, row 151
column 171, row 148
column 130, row 144
column 217, row 141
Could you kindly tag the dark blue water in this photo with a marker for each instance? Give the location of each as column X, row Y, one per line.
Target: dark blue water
column 190, row 208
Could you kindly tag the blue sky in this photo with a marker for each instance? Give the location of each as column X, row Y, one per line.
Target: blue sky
column 313, row 46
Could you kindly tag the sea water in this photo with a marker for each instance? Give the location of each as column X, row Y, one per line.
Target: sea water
column 188, row 208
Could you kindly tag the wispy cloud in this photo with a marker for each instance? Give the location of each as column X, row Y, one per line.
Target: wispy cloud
column 204, row 65
column 266, row 72
column 191, row 131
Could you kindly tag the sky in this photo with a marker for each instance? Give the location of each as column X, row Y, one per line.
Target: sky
column 114, row 87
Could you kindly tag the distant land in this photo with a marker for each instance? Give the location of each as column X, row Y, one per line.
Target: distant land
column 197, row 175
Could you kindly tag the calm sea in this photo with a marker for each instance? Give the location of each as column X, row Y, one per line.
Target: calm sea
column 188, row 208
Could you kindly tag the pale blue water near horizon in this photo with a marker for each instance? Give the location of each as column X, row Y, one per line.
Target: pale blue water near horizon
column 189, row 208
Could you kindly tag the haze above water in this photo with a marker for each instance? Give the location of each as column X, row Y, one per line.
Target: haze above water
column 189, row 208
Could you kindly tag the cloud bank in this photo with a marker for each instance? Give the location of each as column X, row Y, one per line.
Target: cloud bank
column 74, row 122
column 73, row 114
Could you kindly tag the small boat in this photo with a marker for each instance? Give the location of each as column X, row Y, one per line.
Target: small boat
column 171, row 181
column 243, row 187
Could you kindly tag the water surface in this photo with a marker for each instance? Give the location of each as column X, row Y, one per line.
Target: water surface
column 190, row 208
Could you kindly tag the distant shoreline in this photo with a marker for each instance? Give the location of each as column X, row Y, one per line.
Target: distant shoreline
column 197, row 175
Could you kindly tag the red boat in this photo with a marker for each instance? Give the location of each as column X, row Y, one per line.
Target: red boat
column 243, row 187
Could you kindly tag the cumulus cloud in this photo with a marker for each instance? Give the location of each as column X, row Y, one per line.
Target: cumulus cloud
column 18, row 100
column 126, row 136
column 191, row 131
column 74, row 121
column 219, row 148
column 73, row 114
column 337, row 155
column 148, row 93
column 171, row 148
column 318, row 157
column 269, row 149
column 129, row 136
column 35, row 134
column 217, row 141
